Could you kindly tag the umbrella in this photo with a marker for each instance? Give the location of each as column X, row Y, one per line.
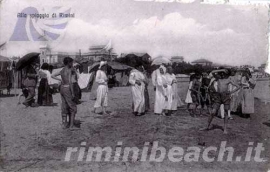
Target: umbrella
column 113, row 65
column 27, row 59
column 160, row 60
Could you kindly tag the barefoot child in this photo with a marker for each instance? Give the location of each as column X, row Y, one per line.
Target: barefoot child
column 69, row 106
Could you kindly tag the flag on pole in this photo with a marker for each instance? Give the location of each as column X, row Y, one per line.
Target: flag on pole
column 108, row 47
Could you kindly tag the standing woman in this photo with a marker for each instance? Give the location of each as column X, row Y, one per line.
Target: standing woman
column 169, row 91
column 177, row 102
column 247, row 93
column 102, row 90
column 44, row 90
column 137, row 81
column 161, row 85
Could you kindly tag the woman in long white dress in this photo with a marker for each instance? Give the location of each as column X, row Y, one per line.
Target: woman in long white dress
column 102, row 90
column 161, row 85
column 169, row 92
column 177, row 102
column 137, row 81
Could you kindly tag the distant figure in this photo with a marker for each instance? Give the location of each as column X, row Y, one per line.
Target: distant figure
column 248, row 85
column 188, row 99
column 69, row 106
column 30, row 83
column 205, row 96
column 102, row 90
column 146, row 93
column 137, row 81
column 196, row 93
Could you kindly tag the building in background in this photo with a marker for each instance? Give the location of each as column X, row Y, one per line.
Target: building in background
column 177, row 59
column 100, row 53
column 262, row 67
column 202, row 62
column 95, row 54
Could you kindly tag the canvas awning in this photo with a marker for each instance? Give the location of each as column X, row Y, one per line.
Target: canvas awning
column 4, row 63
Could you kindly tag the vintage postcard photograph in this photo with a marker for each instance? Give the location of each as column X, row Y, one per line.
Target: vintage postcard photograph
column 134, row 85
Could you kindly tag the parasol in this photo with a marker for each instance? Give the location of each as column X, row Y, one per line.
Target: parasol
column 160, row 60
column 113, row 65
column 27, row 59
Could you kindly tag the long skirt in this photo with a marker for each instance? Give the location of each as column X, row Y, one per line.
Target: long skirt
column 170, row 94
column 248, row 101
column 159, row 100
column 138, row 94
column 188, row 97
column 102, row 96
column 44, row 93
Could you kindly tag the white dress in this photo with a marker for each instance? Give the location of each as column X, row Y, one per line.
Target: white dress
column 160, row 93
column 154, row 77
column 102, row 90
column 188, row 97
column 177, row 102
column 137, row 91
column 169, row 92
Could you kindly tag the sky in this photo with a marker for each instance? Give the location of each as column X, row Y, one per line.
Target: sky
column 234, row 35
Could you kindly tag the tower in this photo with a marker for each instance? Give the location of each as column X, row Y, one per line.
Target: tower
column 45, row 54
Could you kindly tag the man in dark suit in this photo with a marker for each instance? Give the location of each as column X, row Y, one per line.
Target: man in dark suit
column 30, row 83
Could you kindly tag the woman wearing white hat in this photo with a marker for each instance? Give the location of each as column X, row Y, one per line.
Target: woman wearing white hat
column 102, row 90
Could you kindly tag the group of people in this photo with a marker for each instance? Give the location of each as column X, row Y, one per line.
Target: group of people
column 166, row 91
column 223, row 91
column 165, row 85
column 220, row 90
column 33, row 77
